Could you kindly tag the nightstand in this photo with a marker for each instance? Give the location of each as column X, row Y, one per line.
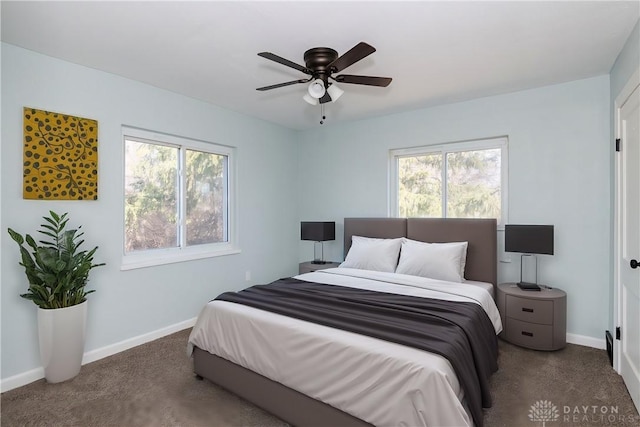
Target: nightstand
column 533, row 319
column 308, row 267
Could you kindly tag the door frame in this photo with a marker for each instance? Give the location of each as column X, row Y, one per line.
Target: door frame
column 622, row 97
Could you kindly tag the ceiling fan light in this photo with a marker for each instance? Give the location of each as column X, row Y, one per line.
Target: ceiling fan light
column 309, row 99
column 316, row 89
column 334, row 92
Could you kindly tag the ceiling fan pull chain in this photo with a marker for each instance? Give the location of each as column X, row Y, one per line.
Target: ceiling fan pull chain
column 322, row 114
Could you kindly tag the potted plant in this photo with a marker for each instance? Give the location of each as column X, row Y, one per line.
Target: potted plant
column 58, row 271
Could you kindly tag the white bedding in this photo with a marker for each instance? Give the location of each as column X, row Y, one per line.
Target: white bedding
column 383, row 383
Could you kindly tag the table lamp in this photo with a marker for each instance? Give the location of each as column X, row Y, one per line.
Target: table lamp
column 319, row 232
column 529, row 240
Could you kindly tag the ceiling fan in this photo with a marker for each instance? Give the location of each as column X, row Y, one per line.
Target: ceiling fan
column 321, row 63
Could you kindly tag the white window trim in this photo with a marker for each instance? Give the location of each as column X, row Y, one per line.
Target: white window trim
column 477, row 144
column 154, row 257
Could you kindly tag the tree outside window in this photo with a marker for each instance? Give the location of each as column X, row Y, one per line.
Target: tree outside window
column 458, row 180
column 175, row 196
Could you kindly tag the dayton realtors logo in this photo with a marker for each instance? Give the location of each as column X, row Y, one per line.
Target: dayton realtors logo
column 601, row 415
column 544, row 411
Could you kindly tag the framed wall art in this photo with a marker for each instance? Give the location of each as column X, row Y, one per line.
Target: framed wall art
column 60, row 157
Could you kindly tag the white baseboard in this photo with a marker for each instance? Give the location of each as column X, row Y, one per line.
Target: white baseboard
column 101, row 353
column 21, row 379
column 25, row 378
column 587, row 341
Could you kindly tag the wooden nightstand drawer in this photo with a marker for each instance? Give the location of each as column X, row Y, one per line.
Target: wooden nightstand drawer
column 529, row 334
column 530, row 310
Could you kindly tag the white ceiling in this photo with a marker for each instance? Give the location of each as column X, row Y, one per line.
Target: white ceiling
column 436, row 52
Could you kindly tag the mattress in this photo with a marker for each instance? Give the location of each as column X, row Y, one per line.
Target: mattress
column 379, row 382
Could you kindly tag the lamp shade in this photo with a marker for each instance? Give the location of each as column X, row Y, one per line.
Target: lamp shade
column 529, row 239
column 334, row 92
column 309, row 99
column 316, row 89
column 318, row 231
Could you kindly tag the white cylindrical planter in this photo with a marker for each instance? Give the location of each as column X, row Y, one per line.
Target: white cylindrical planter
column 61, row 332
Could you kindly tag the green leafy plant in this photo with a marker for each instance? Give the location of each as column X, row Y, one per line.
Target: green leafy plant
column 56, row 268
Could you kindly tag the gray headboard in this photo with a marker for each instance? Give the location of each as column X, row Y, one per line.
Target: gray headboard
column 482, row 252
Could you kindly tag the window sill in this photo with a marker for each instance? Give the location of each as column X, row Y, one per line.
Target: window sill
column 153, row 258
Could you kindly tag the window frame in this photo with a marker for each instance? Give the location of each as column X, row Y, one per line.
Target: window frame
column 181, row 253
column 501, row 142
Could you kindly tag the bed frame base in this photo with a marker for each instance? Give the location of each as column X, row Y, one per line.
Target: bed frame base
column 291, row 406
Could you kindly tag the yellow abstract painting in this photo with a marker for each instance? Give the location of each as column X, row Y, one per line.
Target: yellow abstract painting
column 60, row 158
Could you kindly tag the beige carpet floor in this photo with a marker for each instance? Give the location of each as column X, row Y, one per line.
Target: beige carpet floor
column 153, row 385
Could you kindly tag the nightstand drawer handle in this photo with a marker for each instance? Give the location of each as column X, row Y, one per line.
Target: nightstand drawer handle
column 528, row 310
column 529, row 334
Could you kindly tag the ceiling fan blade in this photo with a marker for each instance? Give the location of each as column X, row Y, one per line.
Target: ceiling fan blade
column 358, row 52
column 282, row 84
column 325, row 98
column 281, row 60
column 363, row 80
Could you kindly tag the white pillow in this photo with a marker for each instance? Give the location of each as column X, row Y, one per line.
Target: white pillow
column 463, row 247
column 441, row 261
column 367, row 253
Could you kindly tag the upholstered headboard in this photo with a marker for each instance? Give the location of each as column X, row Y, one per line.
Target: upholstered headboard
column 482, row 252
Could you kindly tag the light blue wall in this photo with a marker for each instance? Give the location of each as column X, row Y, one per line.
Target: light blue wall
column 131, row 303
column 559, row 173
column 626, row 64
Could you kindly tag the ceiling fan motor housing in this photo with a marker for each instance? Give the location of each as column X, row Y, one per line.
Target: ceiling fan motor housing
column 317, row 59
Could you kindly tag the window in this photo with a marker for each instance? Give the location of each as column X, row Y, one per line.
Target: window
column 177, row 194
column 455, row 180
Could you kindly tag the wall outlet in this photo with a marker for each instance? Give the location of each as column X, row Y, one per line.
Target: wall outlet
column 247, row 275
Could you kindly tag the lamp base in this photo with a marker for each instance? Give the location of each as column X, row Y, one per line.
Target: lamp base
column 525, row 286
column 318, row 258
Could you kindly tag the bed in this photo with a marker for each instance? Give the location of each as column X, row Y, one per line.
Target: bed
column 312, row 374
